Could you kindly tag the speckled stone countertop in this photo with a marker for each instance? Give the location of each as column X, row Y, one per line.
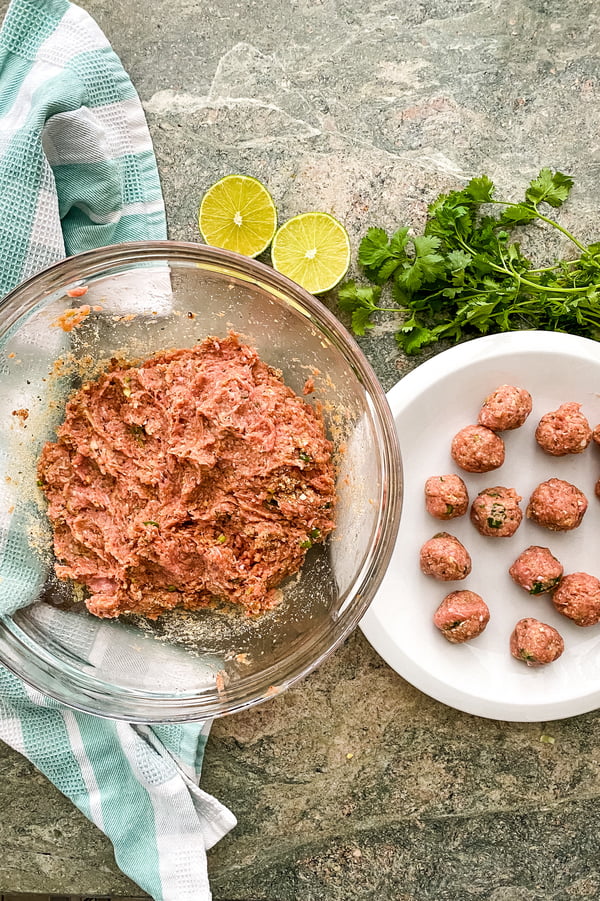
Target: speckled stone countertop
column 354, row 785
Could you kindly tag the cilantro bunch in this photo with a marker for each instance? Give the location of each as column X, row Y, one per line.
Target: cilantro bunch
column 466, row 275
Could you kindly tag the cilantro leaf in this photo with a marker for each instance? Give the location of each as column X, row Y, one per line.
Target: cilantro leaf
column 398, row 242
column 361, row 301
column 361, row 320
column 412, row 338
column 518, row 214
column 426, row 265
column 387, row 270
column 373, row 249
column 458, row 259
column 480, row 189
column 379, row 256
column 550, row 187
column 352, row 296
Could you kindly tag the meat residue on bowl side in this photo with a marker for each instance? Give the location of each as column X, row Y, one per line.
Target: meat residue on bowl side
column 197, row 475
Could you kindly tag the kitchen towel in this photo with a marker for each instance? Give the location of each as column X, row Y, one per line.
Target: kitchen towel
column 77, row 171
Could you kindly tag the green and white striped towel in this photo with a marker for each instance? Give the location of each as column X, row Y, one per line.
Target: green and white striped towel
column 77, row 171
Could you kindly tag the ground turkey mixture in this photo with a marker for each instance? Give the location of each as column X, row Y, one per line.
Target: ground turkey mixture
column 477, row 449
column 505, row 408
column 196, row 475
column 495, row 512
column 446, row 497
column 537, row 570
column 461, row 616
column 535, row 643
column 445, row 557
column 564, row 431
column 557, row 505
column 578, row 597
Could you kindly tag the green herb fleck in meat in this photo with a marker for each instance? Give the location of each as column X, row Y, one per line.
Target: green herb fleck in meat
column 539, row 587
column 453, row 625
column 306, row 458
column 497, row 516
column 150, row 522
column 139, row 433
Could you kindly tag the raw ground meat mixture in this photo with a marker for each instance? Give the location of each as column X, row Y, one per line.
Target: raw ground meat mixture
column 198, row 475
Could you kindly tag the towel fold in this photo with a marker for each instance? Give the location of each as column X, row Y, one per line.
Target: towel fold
column 77, row 171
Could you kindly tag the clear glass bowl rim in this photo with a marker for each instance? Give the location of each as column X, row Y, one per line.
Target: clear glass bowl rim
column 88, row 694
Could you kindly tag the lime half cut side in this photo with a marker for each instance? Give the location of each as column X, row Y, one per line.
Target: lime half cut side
column 313, row 249
column 237, row 213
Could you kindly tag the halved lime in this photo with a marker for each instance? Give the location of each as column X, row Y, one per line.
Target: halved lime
column 313, row 249
column 237, row 213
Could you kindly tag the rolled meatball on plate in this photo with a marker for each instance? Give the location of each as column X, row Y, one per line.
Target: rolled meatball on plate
column 564, row 431
column 462, row 616
column 578, row 598
column 535, row 643
column 536, row 570
column 477, row 449
column 557, row 505
column 446, row 497
column 495, row 512
column 505, row 408
column 445, row 558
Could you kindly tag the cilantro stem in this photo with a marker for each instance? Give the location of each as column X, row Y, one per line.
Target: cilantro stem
column 546, row 219
column 555, row 267
column 550, row 290
column 566, row 233
column 542, row 288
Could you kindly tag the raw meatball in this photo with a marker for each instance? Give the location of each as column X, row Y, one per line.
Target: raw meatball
column 557, row 505
column 597, row 489
column 495, row 512
column 578, row 597
column 596, row 435
column 477, row 449
column 536, row 570
column 445, row 558
column 461, row 616
column 505, row 408
column 446, row 496
column 535, row 643
column 564, row 431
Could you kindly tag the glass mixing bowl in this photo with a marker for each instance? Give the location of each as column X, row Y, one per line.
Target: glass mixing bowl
column 143, row 298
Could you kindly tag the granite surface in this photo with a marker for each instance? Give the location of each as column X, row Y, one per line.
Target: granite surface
column 354, row 785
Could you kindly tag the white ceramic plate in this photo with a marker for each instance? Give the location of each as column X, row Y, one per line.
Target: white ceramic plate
column 430, row 405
